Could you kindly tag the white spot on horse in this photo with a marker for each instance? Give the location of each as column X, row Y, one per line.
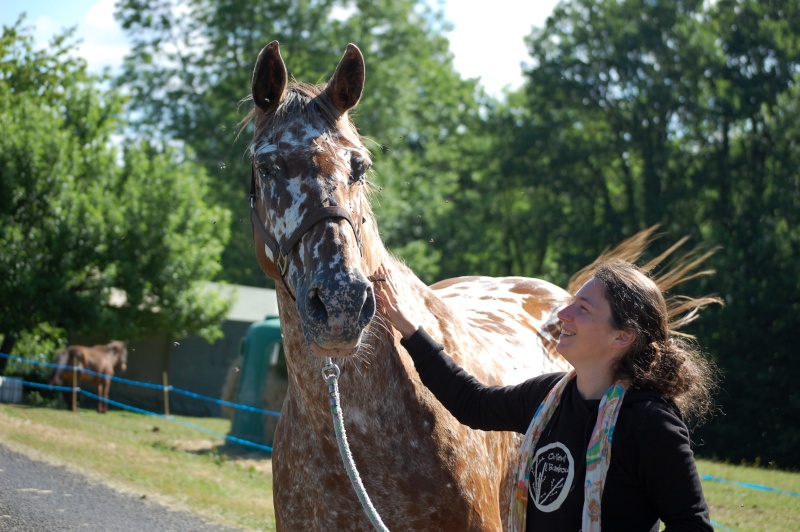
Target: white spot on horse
column 263, row 149
column 357, row 420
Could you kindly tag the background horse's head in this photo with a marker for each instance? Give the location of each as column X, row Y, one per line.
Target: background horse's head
column 121, row 351
column 313, row 228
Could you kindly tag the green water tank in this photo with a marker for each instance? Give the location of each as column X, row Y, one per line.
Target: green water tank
column 263, row 365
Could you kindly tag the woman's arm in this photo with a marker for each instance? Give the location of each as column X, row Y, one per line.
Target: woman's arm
column 468, row 400
column 669, row 472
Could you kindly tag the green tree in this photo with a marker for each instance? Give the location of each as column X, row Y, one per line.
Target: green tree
column 678, row 113
column 95, row 242
column 749, row 133
column 190, row 68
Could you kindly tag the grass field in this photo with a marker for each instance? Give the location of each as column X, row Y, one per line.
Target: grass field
column 163, row 460
column 186, row 468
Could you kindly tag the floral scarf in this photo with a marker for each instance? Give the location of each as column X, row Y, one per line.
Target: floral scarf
column 598, row 455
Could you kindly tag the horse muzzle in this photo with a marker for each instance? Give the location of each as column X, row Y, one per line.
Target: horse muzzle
column 335, row 309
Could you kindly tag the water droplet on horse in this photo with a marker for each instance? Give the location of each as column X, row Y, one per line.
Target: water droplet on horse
column 176, row 344
column 222, row 165
column 431, row 241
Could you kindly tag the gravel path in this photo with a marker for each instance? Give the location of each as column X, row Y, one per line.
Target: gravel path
column 39, row 497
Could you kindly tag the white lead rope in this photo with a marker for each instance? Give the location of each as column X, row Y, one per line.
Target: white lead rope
column 331, row 375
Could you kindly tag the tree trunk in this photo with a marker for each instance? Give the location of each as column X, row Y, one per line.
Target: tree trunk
column 9, row 339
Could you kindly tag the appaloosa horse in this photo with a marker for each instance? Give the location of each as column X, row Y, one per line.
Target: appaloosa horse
column 99, row 359
column 315, row 234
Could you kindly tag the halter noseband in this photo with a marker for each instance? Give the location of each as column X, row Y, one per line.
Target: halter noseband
column 281, row 252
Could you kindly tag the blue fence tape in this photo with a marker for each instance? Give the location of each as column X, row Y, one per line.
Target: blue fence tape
column 749, row 485
column 724, row 529
column 171, row 418
column 114, row 378
column 226, row 403
column 147, row 412
column 48, row 386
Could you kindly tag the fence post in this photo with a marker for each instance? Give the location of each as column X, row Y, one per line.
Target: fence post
column 166, row 395
column 74, row 389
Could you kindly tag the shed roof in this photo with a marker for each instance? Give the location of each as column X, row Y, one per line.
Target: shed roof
column 250, row 303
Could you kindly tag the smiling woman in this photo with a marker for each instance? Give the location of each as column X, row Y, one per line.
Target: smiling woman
column 633, row 379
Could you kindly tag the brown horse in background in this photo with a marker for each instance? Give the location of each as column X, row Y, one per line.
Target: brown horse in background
column 100, row 359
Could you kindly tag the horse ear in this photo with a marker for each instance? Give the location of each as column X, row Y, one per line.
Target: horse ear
column 269, row 78
column 345, row 87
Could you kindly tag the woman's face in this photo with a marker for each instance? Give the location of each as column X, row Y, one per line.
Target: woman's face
column 586, row 331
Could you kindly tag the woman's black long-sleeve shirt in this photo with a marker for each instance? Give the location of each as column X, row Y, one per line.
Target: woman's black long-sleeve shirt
column 652, row 475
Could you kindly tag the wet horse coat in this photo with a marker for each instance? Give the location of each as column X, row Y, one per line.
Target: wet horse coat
column 101, row 359
column 422, row 469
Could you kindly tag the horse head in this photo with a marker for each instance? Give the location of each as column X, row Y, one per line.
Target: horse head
column 313, row 228
column 120, row 352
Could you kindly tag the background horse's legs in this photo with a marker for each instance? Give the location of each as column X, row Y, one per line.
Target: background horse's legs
column 102, row 394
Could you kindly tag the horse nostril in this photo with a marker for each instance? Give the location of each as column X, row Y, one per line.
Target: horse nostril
column 368, row 308
column 316, row 307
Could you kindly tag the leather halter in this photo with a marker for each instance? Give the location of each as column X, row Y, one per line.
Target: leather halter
column 281, row 251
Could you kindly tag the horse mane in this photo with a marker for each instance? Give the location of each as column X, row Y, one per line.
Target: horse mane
column 681, row 309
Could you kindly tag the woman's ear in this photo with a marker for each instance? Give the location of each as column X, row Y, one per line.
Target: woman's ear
column 625, row 338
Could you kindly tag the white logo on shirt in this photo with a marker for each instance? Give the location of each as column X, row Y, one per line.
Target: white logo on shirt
column 552, row 472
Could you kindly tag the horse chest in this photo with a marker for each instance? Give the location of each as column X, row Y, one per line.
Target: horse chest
column 421, row 470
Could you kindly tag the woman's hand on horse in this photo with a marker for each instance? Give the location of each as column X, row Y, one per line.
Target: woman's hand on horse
column 389, row 304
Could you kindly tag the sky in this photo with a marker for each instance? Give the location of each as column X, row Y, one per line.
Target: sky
column 486, row 43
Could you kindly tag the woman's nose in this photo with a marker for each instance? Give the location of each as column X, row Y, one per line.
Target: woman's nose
column 565, row 314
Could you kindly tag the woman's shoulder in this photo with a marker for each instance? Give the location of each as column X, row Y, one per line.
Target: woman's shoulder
column 649, row 412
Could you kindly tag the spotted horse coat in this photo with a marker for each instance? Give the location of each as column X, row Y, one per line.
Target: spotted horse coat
column 422, row 469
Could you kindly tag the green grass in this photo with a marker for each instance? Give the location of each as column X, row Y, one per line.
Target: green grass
column 189, row 469
column 745, row 509
column 163, row 460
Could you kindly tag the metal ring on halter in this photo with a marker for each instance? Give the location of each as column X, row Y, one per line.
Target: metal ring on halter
column 283, row 263
column 330, row 371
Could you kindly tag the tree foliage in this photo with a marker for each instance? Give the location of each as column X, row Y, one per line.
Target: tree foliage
column 79, row 222
column 678, row 113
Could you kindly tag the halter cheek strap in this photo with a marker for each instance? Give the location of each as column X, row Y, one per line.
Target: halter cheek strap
column 281, row 251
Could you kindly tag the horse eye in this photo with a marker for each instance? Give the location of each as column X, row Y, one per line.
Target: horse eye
column 357, row 170
column 264, row 172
